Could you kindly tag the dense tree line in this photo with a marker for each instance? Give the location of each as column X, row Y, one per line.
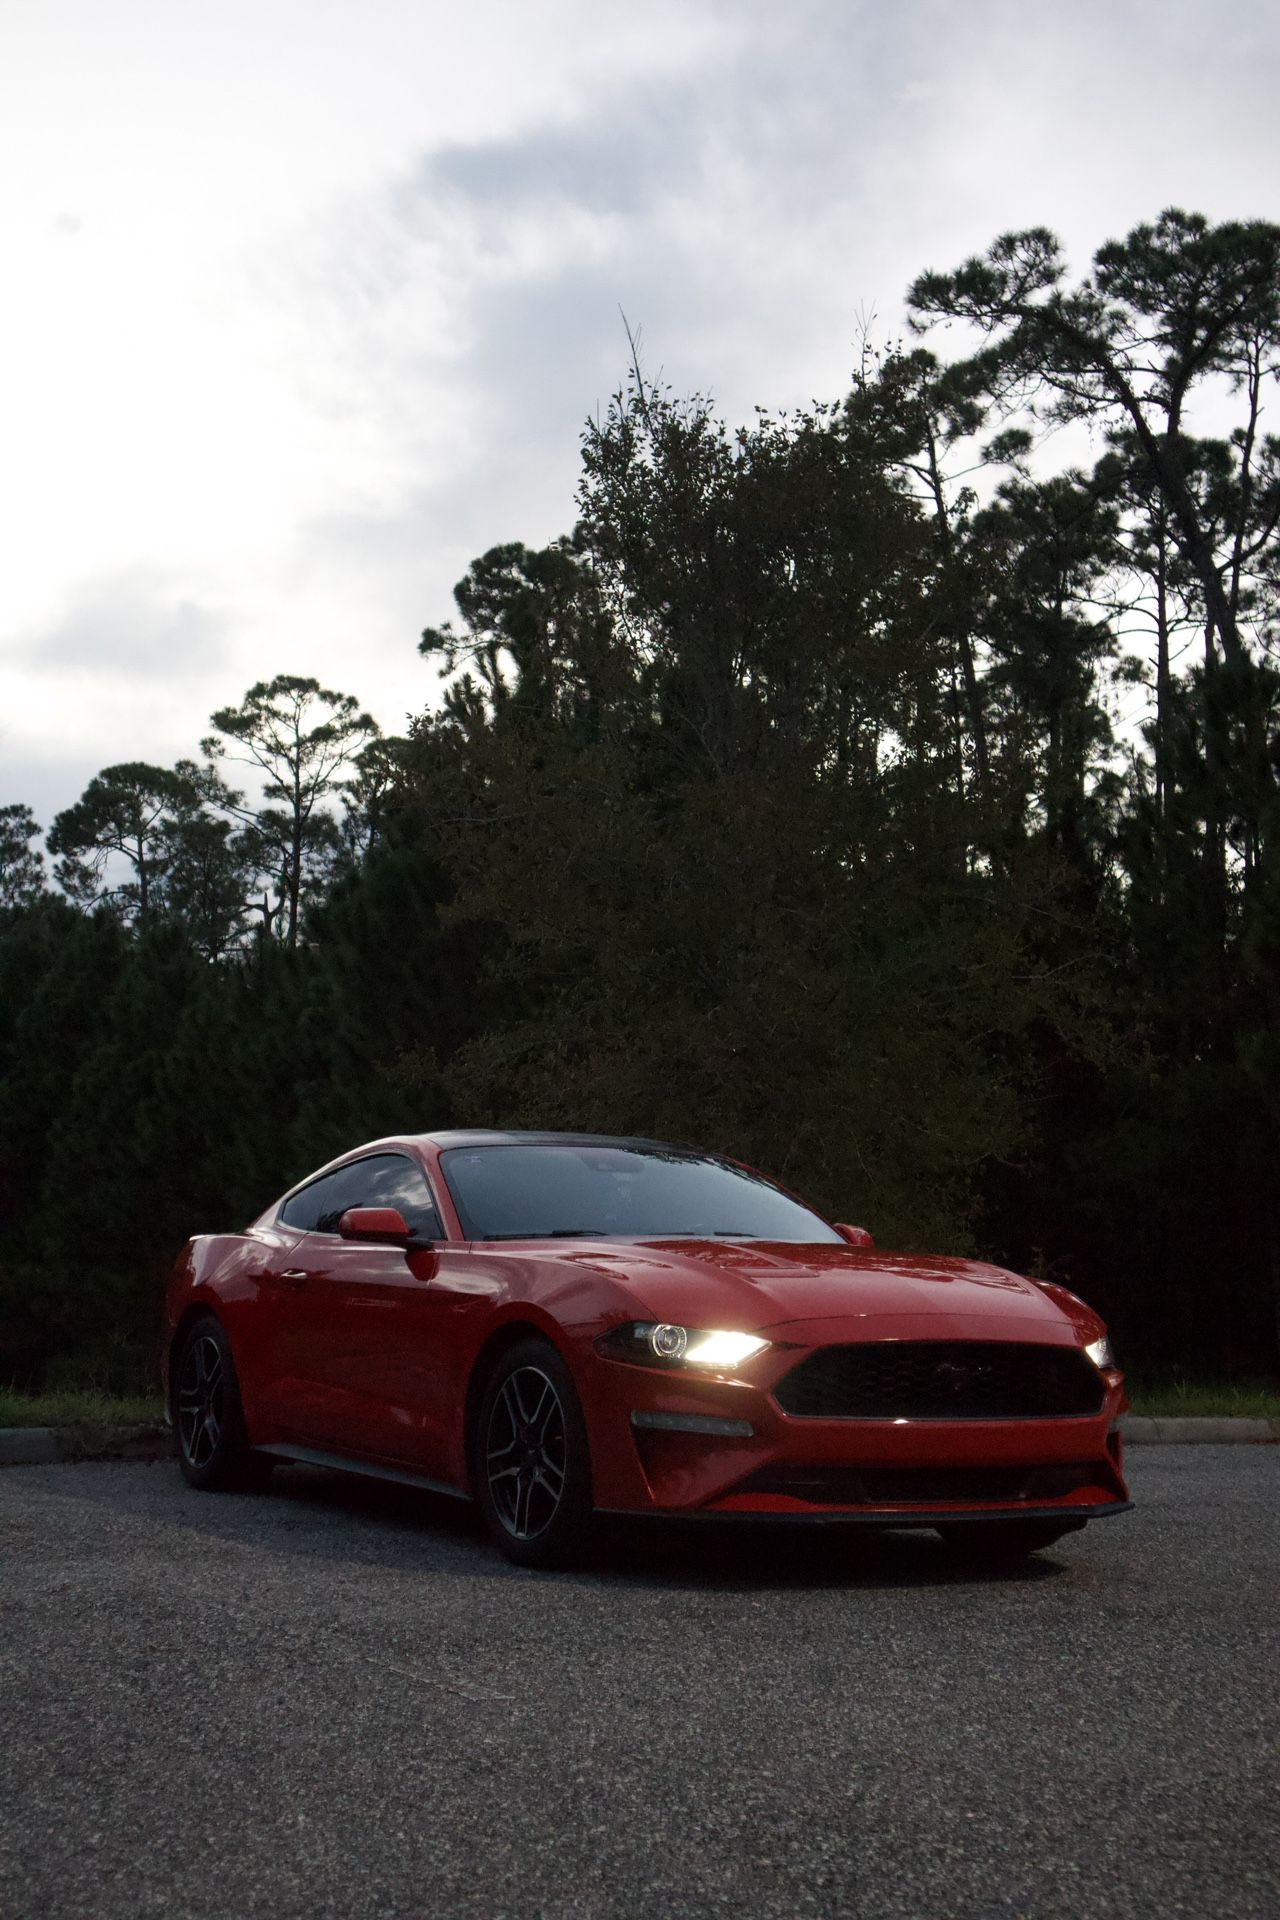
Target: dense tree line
column 863, row 792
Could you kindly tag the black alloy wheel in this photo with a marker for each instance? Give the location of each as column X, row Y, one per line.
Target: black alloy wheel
column 1004, row 1542
column 202, row 1400
column 531, row 1469
column 213, row 1444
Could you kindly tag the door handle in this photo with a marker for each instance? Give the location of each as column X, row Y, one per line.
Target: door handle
column 294, row 1277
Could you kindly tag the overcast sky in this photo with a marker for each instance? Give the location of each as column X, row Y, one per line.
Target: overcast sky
column 305, row 301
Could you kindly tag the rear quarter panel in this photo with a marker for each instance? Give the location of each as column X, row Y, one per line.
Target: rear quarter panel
column 223, row 1273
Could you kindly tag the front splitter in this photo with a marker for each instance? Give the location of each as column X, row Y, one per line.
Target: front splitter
column 843, row 1517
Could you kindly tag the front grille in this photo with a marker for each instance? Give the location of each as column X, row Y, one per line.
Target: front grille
column 941, row 1380
column 923, row 1486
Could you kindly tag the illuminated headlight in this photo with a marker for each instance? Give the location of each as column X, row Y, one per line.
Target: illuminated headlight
column 658, row 1343
column 1101, row 1352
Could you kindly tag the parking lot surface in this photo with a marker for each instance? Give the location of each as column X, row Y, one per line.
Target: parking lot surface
column 335, row 1699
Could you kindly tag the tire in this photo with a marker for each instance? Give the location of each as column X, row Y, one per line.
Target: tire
column 1004, row 1542
column 213, row 1444
column 531, row 1464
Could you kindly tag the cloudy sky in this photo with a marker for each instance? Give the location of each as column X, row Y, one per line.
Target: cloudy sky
column 305, row 301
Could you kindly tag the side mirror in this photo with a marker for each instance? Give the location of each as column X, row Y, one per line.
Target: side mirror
column 384, row 1225
column 856, row 1236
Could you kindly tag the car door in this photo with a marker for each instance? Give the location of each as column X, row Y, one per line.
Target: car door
column 368, row 1322
column 293, row 1335
column 268, row 1266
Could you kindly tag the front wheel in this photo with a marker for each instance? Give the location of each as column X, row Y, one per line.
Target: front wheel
column 1003, row 1542
column 213, row 1444
column 532, row 1467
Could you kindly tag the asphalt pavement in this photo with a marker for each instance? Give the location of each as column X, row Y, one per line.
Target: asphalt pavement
column 335, row 1699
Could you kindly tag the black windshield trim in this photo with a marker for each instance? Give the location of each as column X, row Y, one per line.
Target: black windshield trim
column 637, row 1239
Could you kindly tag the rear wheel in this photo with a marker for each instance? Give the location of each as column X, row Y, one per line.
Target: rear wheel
column 1002, row 1542
column 532, row 1468
column 213, row 1444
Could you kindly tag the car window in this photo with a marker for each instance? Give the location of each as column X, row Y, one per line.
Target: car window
column 380, row 1180
column 303, row 1208
column 394, row 1181
column 546, row 1190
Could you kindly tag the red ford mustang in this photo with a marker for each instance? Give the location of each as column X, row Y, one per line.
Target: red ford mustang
column 554, row 1324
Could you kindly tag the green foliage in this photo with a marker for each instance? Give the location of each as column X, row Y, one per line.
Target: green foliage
column 127, row 811
column 300, row 738
column 82, row 1410
column 1194, row 1399
column 22, row 878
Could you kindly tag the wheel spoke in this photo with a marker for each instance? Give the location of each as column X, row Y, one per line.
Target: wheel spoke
column 517, row 1395
column 510, row 1406
column 543, row 1409
column 547, row 1500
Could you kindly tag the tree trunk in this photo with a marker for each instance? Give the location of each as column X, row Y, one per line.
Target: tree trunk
column 1162, row 680
column 957, row 625
column 1215, row 840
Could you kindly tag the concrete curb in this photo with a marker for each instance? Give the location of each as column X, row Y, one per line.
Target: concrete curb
column 45, row 1446
column 28, row 1446
column 1182, row 1431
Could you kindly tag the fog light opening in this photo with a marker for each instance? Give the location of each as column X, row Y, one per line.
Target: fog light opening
column 692, row 1423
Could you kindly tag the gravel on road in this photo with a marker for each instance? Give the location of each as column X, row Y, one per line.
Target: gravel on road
column 334, row 1699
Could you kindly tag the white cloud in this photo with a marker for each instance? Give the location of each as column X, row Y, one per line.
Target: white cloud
column 309, row 303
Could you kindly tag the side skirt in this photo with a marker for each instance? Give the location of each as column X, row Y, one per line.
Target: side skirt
column 368, row 1469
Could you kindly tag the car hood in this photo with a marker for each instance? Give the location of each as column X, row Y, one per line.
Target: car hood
column 756, row 1285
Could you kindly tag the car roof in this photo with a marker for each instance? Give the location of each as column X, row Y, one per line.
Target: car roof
column 514, row 1137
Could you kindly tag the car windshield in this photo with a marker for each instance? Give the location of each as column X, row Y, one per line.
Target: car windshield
column 563, row 1191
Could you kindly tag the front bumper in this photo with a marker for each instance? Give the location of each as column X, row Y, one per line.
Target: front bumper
column 682, row 1445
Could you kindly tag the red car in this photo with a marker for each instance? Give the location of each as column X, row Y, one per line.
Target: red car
column 556, row 1324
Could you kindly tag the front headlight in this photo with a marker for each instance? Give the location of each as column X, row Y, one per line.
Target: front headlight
column 1101, row 1352
column 657, row 1343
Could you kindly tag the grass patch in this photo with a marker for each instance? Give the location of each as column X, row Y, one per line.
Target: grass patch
column 1202, row 1399
column 79, row 1410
